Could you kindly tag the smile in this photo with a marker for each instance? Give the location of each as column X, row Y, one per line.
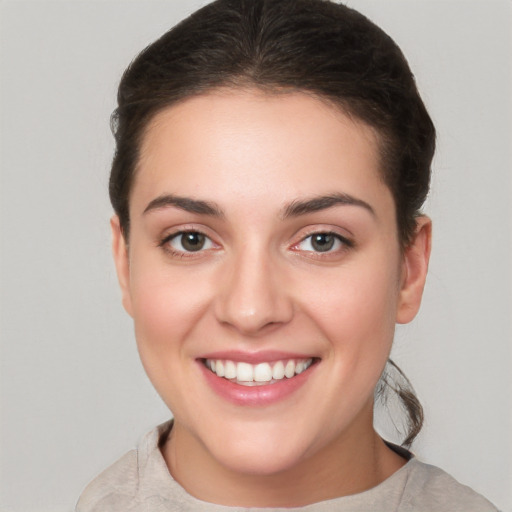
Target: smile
column 263, row 373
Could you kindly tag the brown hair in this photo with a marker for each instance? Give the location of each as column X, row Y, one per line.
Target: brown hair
column 317, row 46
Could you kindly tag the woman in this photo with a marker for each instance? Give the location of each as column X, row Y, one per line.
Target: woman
column 272, row 159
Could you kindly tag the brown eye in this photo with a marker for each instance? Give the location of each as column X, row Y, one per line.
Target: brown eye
column 322, row 242
column 190, row 241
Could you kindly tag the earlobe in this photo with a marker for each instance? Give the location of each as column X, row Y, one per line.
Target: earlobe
column 121, row 260
column 414, row 273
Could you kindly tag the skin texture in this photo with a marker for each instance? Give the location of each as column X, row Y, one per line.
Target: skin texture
column 258, row 284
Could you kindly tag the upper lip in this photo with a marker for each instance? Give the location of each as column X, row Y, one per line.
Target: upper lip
column 264, row 356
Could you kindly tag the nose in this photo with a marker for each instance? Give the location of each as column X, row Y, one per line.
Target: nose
column 253, row 296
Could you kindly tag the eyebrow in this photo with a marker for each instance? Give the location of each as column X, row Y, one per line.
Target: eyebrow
column 294, row 209
column 315, row 204
column 184, row 203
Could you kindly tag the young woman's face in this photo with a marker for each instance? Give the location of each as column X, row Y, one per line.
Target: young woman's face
column 263, row 243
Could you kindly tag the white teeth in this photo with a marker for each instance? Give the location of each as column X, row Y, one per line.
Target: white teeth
column 248, row 374
column 219, row 368
column 244, row 372
column 278, row 370
column 262, row 373
column 289, row 370
column 230, row 371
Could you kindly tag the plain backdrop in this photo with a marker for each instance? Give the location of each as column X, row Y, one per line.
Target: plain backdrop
column 74, row 396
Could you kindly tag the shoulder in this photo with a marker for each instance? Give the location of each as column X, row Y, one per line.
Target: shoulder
column 430, row 488
column 119, row 488
column 116, row 484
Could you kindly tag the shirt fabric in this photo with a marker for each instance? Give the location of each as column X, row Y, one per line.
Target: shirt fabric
column 140, row 482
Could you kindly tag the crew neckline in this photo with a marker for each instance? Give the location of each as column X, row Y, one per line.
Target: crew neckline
column 154, row 472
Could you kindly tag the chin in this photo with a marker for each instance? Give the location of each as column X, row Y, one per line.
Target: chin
column 261, row 449
column 257, row 462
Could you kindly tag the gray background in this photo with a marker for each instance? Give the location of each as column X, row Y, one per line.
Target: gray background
column 73, row 394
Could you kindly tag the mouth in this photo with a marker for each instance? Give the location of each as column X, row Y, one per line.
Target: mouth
column 260, row 374
column 257, row 379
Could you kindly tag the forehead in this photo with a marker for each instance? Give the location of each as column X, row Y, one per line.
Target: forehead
column 245, row 143
column 249, row 109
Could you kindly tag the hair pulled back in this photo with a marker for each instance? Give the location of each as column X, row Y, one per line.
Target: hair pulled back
column 316, row 46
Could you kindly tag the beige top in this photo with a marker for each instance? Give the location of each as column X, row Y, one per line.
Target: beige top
column 141, row 482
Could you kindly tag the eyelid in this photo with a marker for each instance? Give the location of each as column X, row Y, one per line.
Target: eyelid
column 346, row 242
column 164, row 241
column 207, row 240
column 324, row 229
column 178, row 229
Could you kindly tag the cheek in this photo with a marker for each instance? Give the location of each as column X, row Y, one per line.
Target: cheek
column 166, row 306
column 356, row 309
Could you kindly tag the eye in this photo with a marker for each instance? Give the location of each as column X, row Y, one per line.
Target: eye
column 323, row 242
column 188, row 241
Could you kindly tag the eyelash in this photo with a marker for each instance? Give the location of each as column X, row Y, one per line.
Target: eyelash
column 165, row 243
column 344, row 244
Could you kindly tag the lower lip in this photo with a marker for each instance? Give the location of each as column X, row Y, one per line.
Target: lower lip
column 255, row 395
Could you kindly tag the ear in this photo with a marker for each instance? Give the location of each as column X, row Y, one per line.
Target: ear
column 122, row 262
column 414, row 271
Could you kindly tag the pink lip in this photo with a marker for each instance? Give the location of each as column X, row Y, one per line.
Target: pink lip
column 256, row 396
column 264, row 356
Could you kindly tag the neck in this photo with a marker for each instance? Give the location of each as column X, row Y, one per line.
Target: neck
column 352, row 463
